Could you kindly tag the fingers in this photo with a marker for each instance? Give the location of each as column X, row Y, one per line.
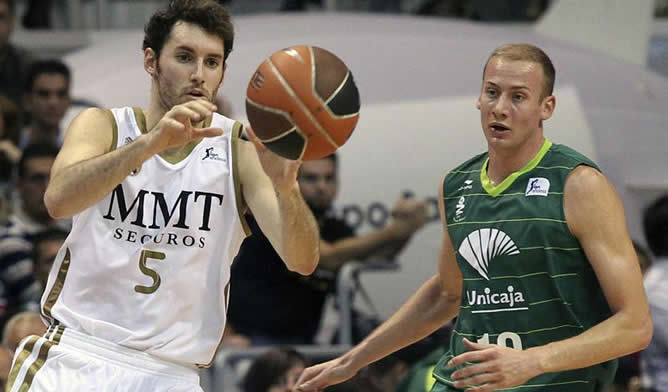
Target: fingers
column 305, row 383
column 194, row 111
column 476, row 346
column 207, row 132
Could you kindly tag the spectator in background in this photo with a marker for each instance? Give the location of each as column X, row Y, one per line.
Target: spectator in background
column 14, row 61
column 276, row 370
column 655, row 356
column 9, row 152
column 46, row 245
column 19, row 326
column 46, row 100
column 18, row 288
column 271, row 305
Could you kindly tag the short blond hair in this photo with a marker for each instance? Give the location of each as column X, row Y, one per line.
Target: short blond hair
column 531, row 53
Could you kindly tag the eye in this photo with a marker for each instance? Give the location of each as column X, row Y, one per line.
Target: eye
column 491, row 92
column 518, row 97
column 184, row 57
column 212, row 63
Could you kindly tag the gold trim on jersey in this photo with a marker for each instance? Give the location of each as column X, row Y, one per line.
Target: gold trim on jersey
column 236, row 131
column 114, row 127
column 140, row 119
column 57, row 286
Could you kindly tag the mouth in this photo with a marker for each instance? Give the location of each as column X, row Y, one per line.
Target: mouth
column 197, row 94
column 497, row 127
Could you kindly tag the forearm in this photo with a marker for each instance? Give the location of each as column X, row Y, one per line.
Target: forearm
column 300, row 237
column 391, row 251
column 619, row 335
column 77, row 187
column 333, row 255
column 426, row 311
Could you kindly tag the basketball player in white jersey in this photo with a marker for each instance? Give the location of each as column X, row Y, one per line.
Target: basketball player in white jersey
column 137, row 297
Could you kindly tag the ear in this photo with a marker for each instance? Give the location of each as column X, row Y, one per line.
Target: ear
column 477, row 103
column 547, row 107
column 150, row 62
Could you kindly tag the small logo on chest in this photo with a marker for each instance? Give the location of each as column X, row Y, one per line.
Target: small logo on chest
column 537, row 186
column 214, row 154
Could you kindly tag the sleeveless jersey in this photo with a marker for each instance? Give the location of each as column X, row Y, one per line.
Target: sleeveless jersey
column 148, row 266
column 527, row 281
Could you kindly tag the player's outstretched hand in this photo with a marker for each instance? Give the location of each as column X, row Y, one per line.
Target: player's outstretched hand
column 176, row 129
column 495, row 367
column 318, row 377
column 281, row 171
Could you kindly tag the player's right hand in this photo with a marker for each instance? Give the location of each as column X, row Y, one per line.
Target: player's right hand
column 318, row 377
column 175, row 128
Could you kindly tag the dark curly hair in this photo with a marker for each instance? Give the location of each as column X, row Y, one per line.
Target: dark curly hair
column 270, row 369
column 211, row 16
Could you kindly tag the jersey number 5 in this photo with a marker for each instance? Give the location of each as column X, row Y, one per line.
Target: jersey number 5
column 143, row 258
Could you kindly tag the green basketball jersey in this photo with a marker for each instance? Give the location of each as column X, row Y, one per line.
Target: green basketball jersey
column 527, row 281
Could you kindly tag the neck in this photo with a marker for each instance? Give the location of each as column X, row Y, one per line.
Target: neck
column 504, row 162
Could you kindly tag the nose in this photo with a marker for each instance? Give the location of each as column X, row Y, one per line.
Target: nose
column 501, row 107
column 197, row 74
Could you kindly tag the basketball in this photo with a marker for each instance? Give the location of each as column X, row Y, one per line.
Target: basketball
column 302, row 102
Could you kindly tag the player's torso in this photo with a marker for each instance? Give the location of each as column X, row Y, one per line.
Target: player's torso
column 148, row 266
column 527, row 281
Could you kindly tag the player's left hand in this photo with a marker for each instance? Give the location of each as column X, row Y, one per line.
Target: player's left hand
column 494, row 367
column 281, row 171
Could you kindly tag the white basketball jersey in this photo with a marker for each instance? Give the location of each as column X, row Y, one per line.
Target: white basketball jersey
column 148, row 267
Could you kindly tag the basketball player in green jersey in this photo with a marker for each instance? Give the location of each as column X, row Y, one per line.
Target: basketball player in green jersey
column 535, row 261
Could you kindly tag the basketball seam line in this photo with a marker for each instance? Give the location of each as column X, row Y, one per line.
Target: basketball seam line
column 301, row 105
column 350, row 115
column 275, row 111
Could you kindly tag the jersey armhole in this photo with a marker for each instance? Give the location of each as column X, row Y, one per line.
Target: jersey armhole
column 241, row 204
column 114, row 127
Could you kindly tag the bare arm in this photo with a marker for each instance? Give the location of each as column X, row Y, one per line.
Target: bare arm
column 270, row 189
column 435, row 303
column 88, row 167
column 383, row 243
column 595, row 215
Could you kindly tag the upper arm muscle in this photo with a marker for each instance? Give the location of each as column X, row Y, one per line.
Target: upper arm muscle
column 90, row 135
column 595, row 215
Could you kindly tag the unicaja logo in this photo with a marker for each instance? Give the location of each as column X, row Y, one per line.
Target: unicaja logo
column 479, row 249
column 487, row 297
column 483, row 245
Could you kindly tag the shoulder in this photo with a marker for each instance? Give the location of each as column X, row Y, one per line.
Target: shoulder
column 567, row 156
column 473, row 164
column 585, row 180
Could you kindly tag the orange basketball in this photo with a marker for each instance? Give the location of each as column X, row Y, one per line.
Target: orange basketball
column 302, row 102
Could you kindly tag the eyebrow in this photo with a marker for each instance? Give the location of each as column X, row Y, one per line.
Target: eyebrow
column 517, row 87
column 191, row 50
